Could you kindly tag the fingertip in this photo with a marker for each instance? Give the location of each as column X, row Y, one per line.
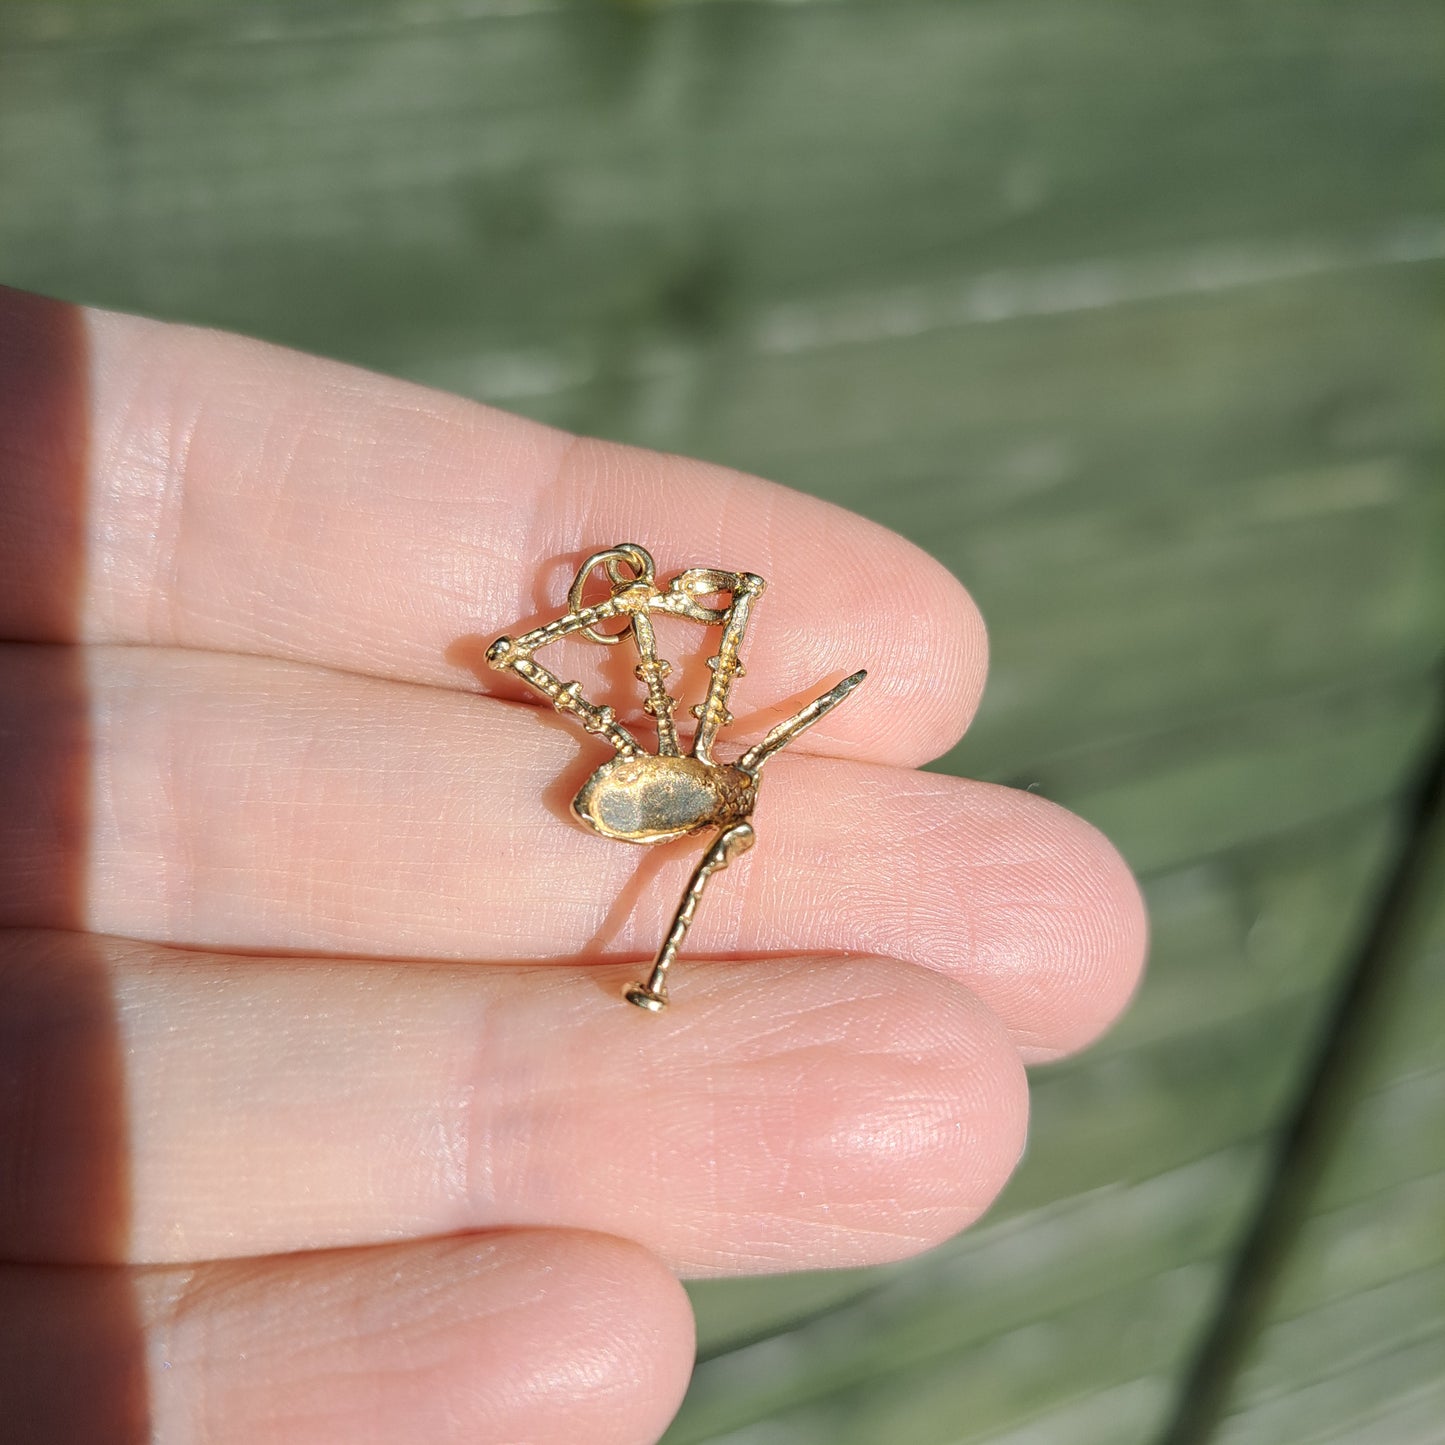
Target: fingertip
column 964, row 1168
column 923, row 643
column 1084, row 918
column 1114, row 935
column 622, row 1343
column 954, row 661
column 908, row 1114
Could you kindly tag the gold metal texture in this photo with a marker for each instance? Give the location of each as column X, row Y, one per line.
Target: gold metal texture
column 642, row 797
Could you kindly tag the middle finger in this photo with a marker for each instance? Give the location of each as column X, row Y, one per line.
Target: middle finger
column 244, row 803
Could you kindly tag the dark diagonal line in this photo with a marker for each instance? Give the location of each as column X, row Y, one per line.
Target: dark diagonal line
column 1326, row 1094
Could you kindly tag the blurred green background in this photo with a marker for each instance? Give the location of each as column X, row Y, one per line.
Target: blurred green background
column 1130, row 313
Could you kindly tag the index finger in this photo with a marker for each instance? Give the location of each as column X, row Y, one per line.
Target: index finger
column 235, row 496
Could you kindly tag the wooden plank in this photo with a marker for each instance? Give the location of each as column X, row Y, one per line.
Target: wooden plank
column 982, row 1389
column 1355, row 1324
column 1388, row 1147
column 1023, row 131
column 1124, row 313
column 1350, row 1402
column 1013, row 1271
column 1354, row 1331
column 1240, row 934
column 1409, row 1417
column 1173, row 452
column 1280, row 772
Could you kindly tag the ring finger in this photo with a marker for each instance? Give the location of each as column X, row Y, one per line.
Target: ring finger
column 796, row 1113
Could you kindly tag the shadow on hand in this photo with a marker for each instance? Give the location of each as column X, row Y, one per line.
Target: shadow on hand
column 71, row 1349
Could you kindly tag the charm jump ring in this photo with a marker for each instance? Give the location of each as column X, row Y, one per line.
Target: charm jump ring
column 639, row 559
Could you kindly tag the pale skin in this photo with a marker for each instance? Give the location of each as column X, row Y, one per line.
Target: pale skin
column 391, row 1158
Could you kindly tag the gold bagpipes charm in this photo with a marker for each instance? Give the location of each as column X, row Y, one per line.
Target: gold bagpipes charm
column 643, row 797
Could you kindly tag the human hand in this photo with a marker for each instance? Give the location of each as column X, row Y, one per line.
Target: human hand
column 321, row 1117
